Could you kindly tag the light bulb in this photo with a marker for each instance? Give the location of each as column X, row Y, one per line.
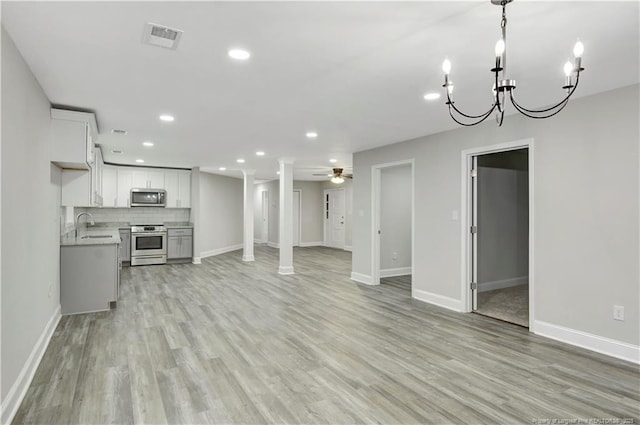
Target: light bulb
column 500, row 47
column 446, row 67
column 578, row 49
column 568, row 69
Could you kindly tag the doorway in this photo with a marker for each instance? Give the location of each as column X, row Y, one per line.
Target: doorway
column 297, row 196
column 499, row 233
column 334, row 217
column 395, row 228
column 379, row 197
column 264, row 237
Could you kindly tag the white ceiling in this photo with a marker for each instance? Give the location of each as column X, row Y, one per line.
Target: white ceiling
column 355, row 72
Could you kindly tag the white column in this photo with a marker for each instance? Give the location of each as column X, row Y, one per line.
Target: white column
column 247, row 253
column 286, row 216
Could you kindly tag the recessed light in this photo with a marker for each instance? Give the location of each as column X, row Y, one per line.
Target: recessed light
column 240, row 161
column 117, row 151
column 140, row 161
column 167, row 118
column 222, row 168
column 260, row 153
column 432, row 96
column 239, row 54
column 333, row 160
column 147, row 144
column 311, row 135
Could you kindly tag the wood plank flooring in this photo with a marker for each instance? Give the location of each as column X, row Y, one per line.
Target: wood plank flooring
column 234, row 342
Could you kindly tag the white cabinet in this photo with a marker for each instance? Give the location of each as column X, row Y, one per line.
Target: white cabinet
column 149, row 179
column 82, row 188
column 178, row 187
column 125, row 183
column 72, row 135
column 109, row 186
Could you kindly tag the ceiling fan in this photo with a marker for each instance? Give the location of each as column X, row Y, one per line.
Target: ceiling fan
column 337, row 177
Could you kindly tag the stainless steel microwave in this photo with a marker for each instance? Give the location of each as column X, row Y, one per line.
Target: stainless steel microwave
column 148, row 197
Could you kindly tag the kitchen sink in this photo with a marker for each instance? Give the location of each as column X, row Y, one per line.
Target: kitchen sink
column 95, row 236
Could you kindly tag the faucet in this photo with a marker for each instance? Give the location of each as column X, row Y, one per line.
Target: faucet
column 78, row 218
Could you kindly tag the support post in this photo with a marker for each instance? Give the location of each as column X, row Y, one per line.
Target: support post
column 247, row 253
column 286, row 216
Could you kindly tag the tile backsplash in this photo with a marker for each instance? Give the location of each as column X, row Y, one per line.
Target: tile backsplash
column 137, row 215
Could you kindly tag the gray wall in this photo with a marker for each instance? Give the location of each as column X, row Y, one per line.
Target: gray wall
column 30, row 215
column 395, row 218
column 586, row 210
column 311, row 206
column 503, row 226
column 220, row 218
column 348, row 206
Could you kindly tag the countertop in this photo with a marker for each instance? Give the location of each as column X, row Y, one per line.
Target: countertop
column 112, row 237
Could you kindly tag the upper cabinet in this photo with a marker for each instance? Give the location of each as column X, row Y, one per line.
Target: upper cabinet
column 83, row 188
column 72, row 136
column 109, row 186
column 148, row 179
column 178, row 187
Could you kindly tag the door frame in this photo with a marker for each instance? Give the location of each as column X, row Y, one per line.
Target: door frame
column 264, row 197
column 299, row 216
column 376, row 171
column 466, row 203
column 324, row 218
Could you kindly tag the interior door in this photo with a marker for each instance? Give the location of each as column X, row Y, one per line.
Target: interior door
column 334, row 217
column 474, row 232
column 296, row 218
column 265, row 217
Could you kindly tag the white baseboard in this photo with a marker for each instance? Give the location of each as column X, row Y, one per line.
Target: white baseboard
column 196, row 260
column 398, row 271
column 362, row 278
column 19, row 388
column 318, row 243
column 347, row 248
column 219, row 251
column 599, row 344
column 248, row 258
column 436, row 299
column 505, row 283
column 285, row 270
column 273, row 244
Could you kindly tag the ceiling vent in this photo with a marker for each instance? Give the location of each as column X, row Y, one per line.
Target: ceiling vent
column 161, row 36
column 117, row 131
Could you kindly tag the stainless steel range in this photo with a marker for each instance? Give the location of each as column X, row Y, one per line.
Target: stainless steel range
column 148, row 245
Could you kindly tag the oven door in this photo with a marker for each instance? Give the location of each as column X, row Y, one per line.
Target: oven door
column 148, row 243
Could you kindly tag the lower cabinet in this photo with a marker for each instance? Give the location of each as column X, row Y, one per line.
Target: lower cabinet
column 125, row 247
column 89, row 277
column 179, row 244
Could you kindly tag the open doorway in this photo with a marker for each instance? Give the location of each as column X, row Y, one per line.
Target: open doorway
column 500, row 234
column 395, row 227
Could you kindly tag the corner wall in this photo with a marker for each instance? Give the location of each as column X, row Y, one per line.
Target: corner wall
column 30, row 228
column 586, row 216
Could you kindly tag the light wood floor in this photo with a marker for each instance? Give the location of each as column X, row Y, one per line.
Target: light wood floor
column 234, row 342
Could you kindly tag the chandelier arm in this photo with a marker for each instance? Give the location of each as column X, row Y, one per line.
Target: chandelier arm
column 551, row 108
column 527, row 113
column 482, row 117
column 471, row 117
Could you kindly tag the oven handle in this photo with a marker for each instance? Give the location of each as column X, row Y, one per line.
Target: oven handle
column 149, row 234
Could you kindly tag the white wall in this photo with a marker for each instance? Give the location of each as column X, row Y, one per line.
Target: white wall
column 30, row 226
column 347, row 185
column 586, row 212
column 219, row 224
column 395, row 220
column 503, row 226
column 311, row 206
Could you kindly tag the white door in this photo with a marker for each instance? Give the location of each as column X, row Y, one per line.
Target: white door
column 296, row 218
column 265, row 216
column 334, row 218
column 474, row 232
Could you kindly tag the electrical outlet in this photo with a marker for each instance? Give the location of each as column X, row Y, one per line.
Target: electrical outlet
column 618, row 312
column 394, row 256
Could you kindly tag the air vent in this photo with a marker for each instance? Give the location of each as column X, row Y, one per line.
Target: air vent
column 117, row 131
column 161, row 36
column 116, row 151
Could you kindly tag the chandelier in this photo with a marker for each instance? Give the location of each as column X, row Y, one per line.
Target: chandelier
column 504, row 87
